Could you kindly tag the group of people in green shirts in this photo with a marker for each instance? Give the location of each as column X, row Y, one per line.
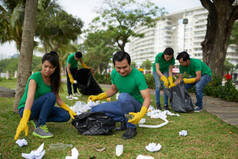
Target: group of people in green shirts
column 200, row 74
column 42, row 90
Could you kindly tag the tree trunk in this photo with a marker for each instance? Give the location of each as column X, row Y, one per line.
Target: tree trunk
column 26, row 51
column 221, row 16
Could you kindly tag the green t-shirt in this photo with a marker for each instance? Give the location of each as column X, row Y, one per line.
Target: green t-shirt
column 41, row 88
column 163, row 64
column 195, row 65
column 132, row 84
column 71, row 60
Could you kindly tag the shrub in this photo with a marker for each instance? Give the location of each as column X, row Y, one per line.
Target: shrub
column 150, row 80
column 103, row 78
column 227, row 92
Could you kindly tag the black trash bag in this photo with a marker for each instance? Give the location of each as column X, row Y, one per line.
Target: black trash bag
column 180, row 100
column 94, row 123
column 86, row 83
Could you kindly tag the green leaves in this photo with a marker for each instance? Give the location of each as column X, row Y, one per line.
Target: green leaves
column 122, row 17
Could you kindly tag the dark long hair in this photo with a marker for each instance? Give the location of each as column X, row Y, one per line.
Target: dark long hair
column 53, row 58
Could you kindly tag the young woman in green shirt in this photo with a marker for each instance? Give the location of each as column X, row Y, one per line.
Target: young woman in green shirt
column 41, row 94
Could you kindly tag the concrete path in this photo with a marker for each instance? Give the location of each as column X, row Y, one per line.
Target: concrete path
column 226, row 111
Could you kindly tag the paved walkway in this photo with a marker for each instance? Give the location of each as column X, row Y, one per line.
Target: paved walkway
column 226, row 111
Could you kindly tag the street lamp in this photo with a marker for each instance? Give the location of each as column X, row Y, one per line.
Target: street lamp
column 185, row 21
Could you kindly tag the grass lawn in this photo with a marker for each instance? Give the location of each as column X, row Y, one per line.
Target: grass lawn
column 208, row 137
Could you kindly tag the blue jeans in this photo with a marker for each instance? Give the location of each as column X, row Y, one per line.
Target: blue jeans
column 157, row 88
column 199, row 85
column 117, row 109
column 43, row 110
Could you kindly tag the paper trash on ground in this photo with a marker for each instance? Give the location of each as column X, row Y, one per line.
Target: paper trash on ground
column 152, row 147
column 21, row 142
column 119, row 150
column 183, row 133
column 81, row 107
column 74, row 154
column 35, row 154
column 155, row 114
column 144, row 157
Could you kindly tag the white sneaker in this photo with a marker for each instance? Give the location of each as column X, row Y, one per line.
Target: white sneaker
column 75, row 98
column 77, row 94
column 70, row 97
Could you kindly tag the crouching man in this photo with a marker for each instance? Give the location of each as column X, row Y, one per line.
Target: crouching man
column 134, row 98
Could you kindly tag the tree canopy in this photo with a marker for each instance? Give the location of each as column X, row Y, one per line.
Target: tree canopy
column 121, row 17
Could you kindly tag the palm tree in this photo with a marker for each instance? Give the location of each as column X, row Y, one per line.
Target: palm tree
column 12, row 16
column 26, row 51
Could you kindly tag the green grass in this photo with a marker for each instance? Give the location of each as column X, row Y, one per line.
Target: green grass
column 208, row 137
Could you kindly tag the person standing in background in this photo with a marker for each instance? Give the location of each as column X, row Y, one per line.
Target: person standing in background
column 162, row 70
column 71, row 70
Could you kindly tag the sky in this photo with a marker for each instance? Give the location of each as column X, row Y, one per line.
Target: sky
column 86, row 11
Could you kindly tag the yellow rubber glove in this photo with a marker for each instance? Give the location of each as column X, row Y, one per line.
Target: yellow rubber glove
column 71, row 112
column 84, row 65
column 137, row 116
column 23, row 123
column 97, row 97
column 165, row 80
column 189, row 80
column 71, row 79
column 171, row 83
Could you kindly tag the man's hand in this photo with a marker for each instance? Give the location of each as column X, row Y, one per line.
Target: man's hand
column 97, row 97
column 23, row 123
column 71, row 112
column 137, row 116
column 165, row 80
column 189, row 80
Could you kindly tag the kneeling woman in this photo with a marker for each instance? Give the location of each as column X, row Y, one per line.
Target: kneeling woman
column 38, row 101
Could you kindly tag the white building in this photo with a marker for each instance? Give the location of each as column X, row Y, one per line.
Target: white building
column 172, row 31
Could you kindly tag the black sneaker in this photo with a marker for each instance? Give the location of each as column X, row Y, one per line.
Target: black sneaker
column 166, row 107
column 130, row 133
column 122, row 127
column 159, row 107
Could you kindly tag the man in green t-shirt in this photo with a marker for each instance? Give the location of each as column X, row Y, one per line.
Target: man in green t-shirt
column 162, row 70
column 71, row 70
column 200, row 72
column 134, row 95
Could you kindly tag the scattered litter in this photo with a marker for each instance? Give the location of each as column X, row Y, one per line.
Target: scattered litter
column 144, row 157
column 117, row 95
column 81, row 107
column 21, row 142
column 35, row 154
column 58, row 146
column 142, row 121
column 100, row 149
column 183, row 133
column 74, row 153
column 119, row 150
column 156, row 113
column 152, row 147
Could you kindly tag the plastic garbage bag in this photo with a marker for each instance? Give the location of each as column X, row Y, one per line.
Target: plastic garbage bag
column 180, row 100
column 86, row 83
column 93, row 123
